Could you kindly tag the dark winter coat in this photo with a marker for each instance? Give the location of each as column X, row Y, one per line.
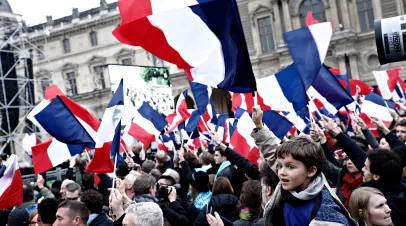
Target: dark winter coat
column 257, row 222
column 225, row 205
column 174, row 213
column 101, row 220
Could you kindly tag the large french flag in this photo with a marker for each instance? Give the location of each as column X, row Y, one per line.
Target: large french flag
column 147, row 125
column 242, row 141
column 194, row 35
column 387, row 82
column 11, row 184
column 308, row 47
column 109, row 135
column 181, row 114
column 52, row 153
column 283, row 91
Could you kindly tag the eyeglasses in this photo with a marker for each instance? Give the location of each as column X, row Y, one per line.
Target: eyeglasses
column 72, row 199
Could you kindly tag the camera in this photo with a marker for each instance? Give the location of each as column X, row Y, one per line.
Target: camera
column 390, row 36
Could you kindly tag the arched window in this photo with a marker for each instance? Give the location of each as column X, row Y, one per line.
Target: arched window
column 317, row 8
column 44, row 83
column 93, row 38
column 365, row 15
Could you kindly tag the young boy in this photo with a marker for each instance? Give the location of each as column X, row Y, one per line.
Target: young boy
column 302, row 196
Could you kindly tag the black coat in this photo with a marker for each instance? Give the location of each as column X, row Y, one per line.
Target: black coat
column 174, row 213
column 396, row 198
column 257, row 222
column 225, row 205
column 101, row 220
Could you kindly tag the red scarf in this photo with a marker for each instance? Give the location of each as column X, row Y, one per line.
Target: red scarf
column 349, row 184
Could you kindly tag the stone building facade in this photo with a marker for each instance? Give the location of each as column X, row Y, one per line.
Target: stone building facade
column 72, row 49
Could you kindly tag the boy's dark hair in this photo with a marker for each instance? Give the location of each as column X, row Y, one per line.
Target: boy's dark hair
column 47, row 209
column 147, row 166
column 93, row 201
column 76, row 208
column 57, row 184
column 303, row 149
column 28, row 192
column 402, row 123
column 401, row 152
column 88, row 180
column 387, row 165
column 143, row 183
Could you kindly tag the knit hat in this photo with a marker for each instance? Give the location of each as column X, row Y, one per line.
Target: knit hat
column 19, row 217
column 200, row 181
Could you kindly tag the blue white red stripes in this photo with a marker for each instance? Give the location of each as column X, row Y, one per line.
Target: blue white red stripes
column 11, row 184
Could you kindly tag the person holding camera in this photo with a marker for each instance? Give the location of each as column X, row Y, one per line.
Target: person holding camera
column 171, row 206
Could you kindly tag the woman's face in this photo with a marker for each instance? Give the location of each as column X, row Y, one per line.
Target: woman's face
column 350, row 166
column 379, row 211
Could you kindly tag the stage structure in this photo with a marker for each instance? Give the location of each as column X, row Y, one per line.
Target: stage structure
column 16, row 89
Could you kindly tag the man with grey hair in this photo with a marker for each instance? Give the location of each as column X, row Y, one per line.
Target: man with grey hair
column 147, row 166
column 144, row 214
column 129, row 182
column 73, row 191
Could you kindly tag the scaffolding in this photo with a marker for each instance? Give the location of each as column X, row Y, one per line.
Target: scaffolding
column 14, row 39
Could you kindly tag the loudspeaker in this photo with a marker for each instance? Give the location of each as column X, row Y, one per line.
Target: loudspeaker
column 8, row 90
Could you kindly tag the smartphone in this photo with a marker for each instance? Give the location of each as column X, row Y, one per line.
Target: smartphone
column 209, row 209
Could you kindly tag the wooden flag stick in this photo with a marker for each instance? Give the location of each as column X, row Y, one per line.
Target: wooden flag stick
column 114, row 175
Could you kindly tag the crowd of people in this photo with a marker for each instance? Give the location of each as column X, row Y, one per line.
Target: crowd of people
column 325, row 178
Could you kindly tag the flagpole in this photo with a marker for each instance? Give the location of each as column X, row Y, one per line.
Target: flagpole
column 114, row 174
column 87, row 154
column 255, row 99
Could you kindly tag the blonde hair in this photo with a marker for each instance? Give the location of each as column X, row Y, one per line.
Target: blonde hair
column 359, row 203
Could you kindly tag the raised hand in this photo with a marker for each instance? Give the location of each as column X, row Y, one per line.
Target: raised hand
column 257, row 114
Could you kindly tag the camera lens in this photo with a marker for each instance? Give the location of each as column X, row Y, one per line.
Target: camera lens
column 390, row 36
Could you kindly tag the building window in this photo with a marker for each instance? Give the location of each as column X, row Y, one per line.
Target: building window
column 127, row 61
column 366, row 15
column 99, row 75
column 158, row 62
column 93, row 38
column 72, row 87
column 317, row 8
column 265, row 34
column 40, row 52
column 66, row 45
column 45, row 83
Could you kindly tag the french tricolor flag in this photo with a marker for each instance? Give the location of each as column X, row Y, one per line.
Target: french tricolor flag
column 147, row 125
column 308, row 47
column 358, row 87
column 242, row 141
column 11, row 184
column 388, row 81
column 283, row 91
column 246, row 101
column 181, row 114
column 109, row 135
column 52, row 153
column 202, row 95
column 194, row 35
column 375, row 106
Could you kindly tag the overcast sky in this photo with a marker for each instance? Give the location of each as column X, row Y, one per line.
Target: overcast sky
column 35, row 11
